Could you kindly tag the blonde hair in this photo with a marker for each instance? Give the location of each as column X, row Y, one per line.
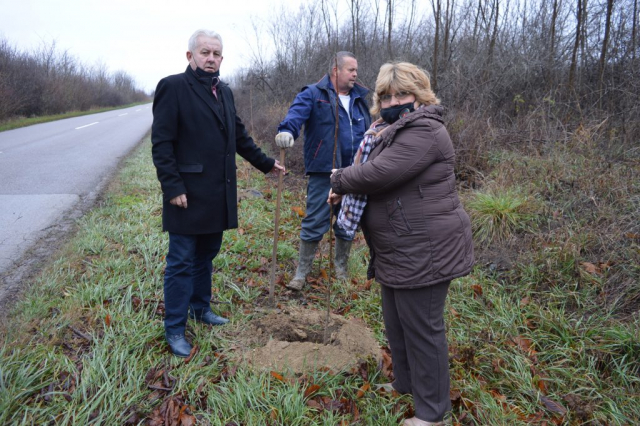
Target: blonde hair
column 403, row 77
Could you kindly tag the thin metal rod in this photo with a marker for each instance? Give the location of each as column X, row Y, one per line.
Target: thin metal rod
column 276, row 231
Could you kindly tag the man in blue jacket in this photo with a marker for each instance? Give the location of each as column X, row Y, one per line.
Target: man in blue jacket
column 315, row 108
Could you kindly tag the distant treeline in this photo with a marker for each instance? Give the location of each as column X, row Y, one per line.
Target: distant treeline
column 531, row 68
column 50, row 81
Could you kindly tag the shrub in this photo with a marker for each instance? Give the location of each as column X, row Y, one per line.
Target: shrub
column 496, row 215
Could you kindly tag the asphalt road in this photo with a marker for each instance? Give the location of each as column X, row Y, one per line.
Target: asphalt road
column 48, row 170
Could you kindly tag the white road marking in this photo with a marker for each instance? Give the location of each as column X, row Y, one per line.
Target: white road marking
column 139, row 110
column 123, row 114
column 87, row 125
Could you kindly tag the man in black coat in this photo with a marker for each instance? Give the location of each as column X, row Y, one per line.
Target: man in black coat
column 195, row 136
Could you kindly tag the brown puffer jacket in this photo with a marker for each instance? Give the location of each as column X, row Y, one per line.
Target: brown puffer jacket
column 413, row 220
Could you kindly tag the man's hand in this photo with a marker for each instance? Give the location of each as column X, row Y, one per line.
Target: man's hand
column 284, row 140
column 278, row 168
column 180, row 201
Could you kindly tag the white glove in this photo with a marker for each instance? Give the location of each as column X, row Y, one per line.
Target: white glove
column 284, row 140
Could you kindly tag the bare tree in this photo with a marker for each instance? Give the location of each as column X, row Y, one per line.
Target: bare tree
column 605, row 43
column 576, row 44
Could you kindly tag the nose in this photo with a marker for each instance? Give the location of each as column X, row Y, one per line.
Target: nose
column 394, row 101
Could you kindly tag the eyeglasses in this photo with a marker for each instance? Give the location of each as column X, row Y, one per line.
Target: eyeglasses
column 399, row 96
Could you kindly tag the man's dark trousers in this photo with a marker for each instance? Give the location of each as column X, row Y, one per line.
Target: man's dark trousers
column 187, row 277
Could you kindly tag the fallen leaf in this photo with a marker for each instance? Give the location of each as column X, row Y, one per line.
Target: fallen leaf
column 299, row 211
column 194, row 351
column 136, row 301
column 524, row 301
column 524, row 344
column 542, row 386
column 310, row 390
column 277, row 376
column 323, row 273
column 107, row 320
column 186, row 418
column 477, row 290
column 497, row 364
column 387, row 364
column 534, row 418
column 314, row 404
column 590, row 268
column 363, row 389
column 454, row 313
column 240, row 231
column 553, row 406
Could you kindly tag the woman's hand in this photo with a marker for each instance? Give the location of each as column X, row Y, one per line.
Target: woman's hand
column 333, row 198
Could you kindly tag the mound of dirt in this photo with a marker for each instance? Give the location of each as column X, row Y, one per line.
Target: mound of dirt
column 294, row 340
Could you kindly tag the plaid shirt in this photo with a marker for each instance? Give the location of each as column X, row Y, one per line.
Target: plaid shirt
column 353, row 204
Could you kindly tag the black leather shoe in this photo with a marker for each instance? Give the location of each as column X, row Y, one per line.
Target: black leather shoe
column 209, row 317
column 178, row 345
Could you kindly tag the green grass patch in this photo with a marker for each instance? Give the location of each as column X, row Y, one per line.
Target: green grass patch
column 498, row 214
column 16, row 123
column 86, row 344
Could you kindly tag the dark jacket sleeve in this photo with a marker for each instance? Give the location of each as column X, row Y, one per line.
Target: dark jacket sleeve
column 164, row 134
column 412, row 151
column 299, row 112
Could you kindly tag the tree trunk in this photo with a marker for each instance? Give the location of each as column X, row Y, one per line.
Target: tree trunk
column 436, row 5
column 603, row 53
column 634, row 30
column 576, row 44
column 354, row 25
column 390, row 26
column 448, row 20
column 494, row 36
column 552, row 45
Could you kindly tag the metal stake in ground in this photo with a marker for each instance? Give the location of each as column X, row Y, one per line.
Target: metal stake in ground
column 276, row 231
column 333, row 166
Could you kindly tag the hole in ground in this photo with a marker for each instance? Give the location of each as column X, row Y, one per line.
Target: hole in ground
column 299, row 332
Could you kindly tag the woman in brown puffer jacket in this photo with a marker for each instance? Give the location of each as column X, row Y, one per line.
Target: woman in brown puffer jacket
column 416, row 228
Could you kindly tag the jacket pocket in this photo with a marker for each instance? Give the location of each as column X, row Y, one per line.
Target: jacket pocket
column 398, row 218
column 190, row 168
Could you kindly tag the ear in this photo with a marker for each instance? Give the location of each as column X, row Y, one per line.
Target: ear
column 189, row 55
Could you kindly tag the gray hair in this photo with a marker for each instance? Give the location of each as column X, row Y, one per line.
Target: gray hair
column 193, row 40
column 340, row 59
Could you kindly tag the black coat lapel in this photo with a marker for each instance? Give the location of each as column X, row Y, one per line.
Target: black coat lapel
column 201, row 91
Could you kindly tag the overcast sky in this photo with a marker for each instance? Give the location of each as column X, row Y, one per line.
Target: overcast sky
column 146, row 38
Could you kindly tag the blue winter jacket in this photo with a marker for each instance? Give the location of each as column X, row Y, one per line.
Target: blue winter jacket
column 315, row 107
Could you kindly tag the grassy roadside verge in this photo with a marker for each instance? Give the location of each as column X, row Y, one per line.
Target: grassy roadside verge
column 24, row 122
column 86, row 345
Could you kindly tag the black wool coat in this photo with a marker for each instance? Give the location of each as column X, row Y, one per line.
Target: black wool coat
column 193, row 149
